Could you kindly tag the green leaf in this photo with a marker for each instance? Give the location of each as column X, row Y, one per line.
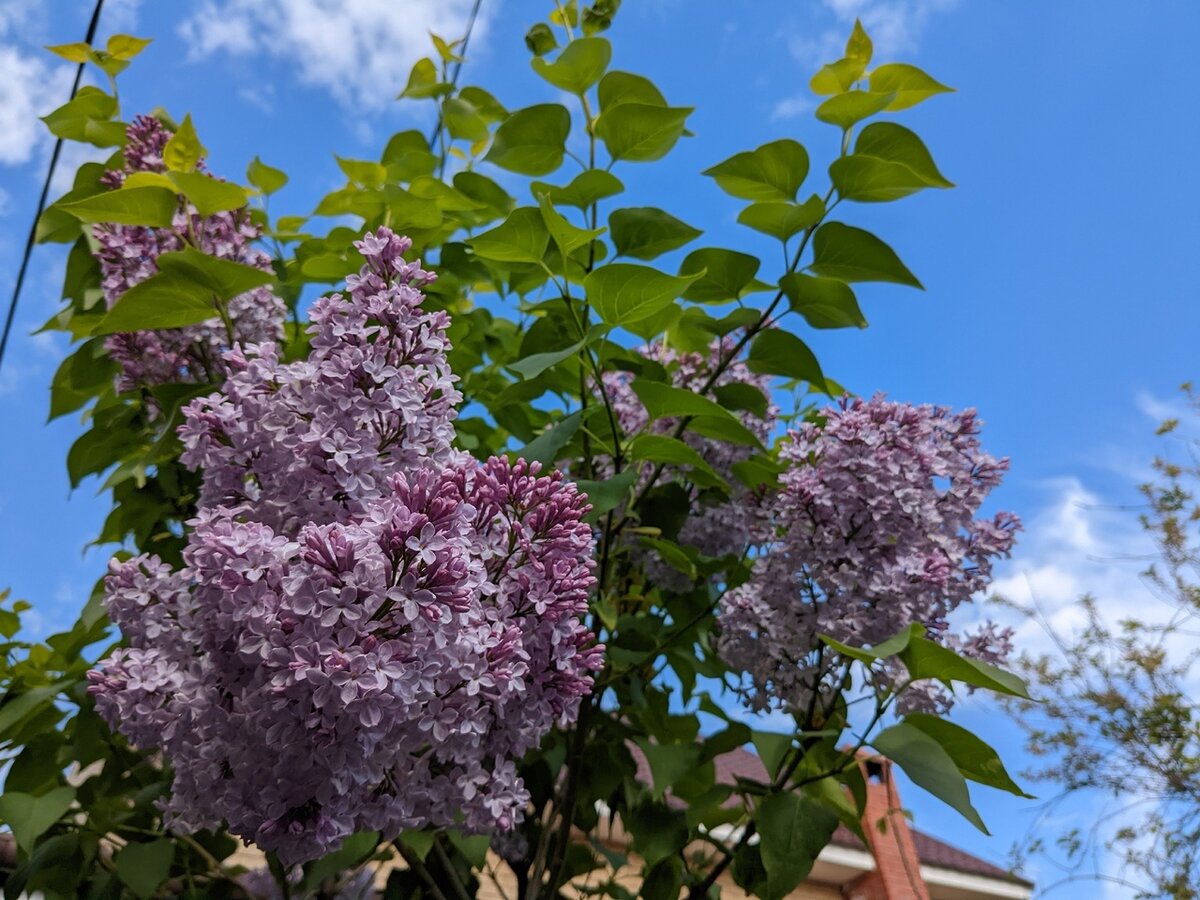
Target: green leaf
column 774, row 171
column 586, row 188
column 29, row 817
column 532, row 141
column 793, row 829
column 145, row 866
column 532, row 366
column 837, row 77
column 925, row 659
column 222, row 277
column 868, row 180
column 668, row 762
column 625, row 87
column 859, row 47
column 718, row 274
column 851, row 254
column 976, row 760
column 364, row 172
column 623, row 292
column 264, row 177
column 659, row 448
column 546, row 446
column 184, row 150
column 929, row 766
column 846, row 110
column 907, row 85
column 463, row 120
column 672, row 554
column 207, row 194
column 151, row 206
column 897, row 144
column 407, row 156
column 565, row 235
column 578, row 67
column 76, row 52
column 522, row 237
column 783, row 220
column 778, row 352
column 86, row 118
column 608, row 494
column 491, row 109
column 540, row 39
column 824, row 302
column 484, row 190
column 739, row 395
column 423, row 82
column 644, row 232
column 663, row 400
column 184, row 291
column 126, row 46
column 882, row 650
column 598, row 17
column 722, row 428
column 446, row 49
column 640, row 132
column 658, row 832
column 772, row 749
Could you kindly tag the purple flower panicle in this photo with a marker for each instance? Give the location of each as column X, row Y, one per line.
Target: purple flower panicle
column 874, row 528
column 370, row 627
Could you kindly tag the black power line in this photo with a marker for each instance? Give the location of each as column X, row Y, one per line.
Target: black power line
column 29, row 241
column 462, row 53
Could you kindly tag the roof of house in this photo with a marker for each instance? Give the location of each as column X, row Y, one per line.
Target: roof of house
column 741, row 763
column 933, row 852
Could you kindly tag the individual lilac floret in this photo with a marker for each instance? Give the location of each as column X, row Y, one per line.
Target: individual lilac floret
column 377, row 662
column 873, row 529
column 312, row 441
column 128, row 255
column 716, row 525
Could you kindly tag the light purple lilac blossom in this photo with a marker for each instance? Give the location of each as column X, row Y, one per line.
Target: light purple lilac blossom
column 128, row 255
column 370, row 628
column 717, row 525
column 873, row 529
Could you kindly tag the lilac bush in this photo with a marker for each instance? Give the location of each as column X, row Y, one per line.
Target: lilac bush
column 873, row 528
column 717, row 525
column 366, row 635
column 127, row 255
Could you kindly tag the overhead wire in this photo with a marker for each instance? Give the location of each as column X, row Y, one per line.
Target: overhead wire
column 31, row 240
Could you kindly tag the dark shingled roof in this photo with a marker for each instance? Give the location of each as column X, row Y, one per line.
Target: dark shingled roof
column 933, row 852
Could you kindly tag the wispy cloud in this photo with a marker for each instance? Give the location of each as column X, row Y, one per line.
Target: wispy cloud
column 359, row 51
column 791, row 107
column 29, row 87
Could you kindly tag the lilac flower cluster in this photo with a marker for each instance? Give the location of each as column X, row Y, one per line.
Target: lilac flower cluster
column 873, row 529
column 717, row 524
column 128, row 255
column 370, row 627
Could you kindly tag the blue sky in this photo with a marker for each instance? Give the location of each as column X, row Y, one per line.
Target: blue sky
column 1061, row 294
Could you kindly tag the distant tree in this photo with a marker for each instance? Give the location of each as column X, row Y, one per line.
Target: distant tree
column 1121, row 714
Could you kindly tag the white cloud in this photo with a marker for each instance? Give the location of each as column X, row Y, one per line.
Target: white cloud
column 29, row 88
column 791, row 107
column 360, row 51
column 1076, row 545
column 120, row 16
column 261, row 97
